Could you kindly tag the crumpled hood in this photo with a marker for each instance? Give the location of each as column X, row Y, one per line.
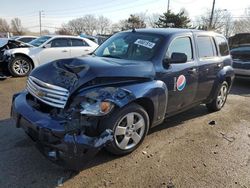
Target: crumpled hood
column 73, row 73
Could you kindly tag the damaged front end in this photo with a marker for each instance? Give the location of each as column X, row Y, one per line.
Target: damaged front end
column 63, row 111
column 65, row 139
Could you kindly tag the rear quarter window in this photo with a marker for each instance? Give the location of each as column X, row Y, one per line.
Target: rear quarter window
column 222, row 45
column 79, row 42
column 206, row 47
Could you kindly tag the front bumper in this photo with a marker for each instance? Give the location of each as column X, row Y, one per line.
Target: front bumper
column 69, row 150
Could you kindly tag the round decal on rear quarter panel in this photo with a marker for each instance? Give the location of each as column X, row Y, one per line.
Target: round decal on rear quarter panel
column 181, row 83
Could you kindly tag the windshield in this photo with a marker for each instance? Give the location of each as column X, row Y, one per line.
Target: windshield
column 39, row 41
column 130, row 46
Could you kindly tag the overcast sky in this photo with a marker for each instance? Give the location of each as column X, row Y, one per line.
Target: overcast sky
column 57, row 12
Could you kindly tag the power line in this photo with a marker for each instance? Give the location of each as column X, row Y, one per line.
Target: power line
column 104, row 9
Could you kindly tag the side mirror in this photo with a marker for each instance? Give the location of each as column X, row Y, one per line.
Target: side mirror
column 176, row 58
column 47, row 46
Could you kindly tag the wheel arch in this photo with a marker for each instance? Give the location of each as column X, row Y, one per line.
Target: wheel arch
column 148, row 105
column 26, row 56
column 225, row 74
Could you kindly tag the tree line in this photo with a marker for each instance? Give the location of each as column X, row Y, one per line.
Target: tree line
column 15, row 26
column 222, row 22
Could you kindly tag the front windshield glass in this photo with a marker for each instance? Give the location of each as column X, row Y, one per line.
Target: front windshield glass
column 39, row 41
column 130, row 46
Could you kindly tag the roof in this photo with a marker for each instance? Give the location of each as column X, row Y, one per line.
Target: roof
column 171, row 31
column 63, row 36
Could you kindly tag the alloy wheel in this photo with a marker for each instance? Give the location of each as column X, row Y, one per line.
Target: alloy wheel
column 222, row 96
column 129, row 131
column 21, row 67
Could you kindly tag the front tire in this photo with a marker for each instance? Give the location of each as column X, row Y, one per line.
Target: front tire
column 130, row 126
column 220, row 100
column 20, row 66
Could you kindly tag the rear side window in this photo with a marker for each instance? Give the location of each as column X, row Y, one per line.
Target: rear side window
column 60, row 42
column 206, row 47
column 79, row 42
column 222, row 44
column 181, row 45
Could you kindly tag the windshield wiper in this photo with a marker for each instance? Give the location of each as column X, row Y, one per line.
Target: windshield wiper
column 112, row 56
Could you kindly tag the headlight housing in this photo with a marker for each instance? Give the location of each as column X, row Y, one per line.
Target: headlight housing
column 96, row 108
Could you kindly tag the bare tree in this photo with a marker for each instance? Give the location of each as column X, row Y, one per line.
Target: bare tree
column 16, row 26
column 75, row 26
column 222, row 21
column 103, row 25
column 64, row 30
column 90, row 24
column 242, row 25
column 4, row 26
column 86, row 24
column 152, row 19
column 116, row 27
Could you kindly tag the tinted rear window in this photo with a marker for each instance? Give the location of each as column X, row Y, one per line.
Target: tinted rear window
column 60, row 42
column 223, row 47
column 79, row 42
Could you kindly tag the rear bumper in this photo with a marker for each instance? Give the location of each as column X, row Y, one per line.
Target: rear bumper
column 69, row 150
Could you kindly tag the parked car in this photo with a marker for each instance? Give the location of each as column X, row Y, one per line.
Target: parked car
column 46, row 49
column 7, row 44
column 240, row 51
column 99, row 39
column 25, row 39
column 74, row 107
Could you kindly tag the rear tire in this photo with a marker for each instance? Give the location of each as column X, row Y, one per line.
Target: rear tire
column 220, row 100
column 20, row 66
column 130, row 126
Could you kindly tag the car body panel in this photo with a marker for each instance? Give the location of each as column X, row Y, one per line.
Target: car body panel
column 153, row 84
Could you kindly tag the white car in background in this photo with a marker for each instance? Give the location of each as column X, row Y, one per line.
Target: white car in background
column 25, row 39
column 46, row 49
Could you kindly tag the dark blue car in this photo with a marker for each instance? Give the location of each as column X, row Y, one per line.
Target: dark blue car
column 72, row 108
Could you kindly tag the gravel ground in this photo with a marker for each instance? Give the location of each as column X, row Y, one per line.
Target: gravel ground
column 184, row 151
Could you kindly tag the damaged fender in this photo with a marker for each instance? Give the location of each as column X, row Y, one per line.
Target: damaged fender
column 154, row 91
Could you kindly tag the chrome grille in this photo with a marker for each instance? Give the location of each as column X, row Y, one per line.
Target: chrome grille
column 49, row 94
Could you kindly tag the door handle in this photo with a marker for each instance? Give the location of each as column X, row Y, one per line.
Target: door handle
column 192, row 71
column 65, row 51
column 86, row 50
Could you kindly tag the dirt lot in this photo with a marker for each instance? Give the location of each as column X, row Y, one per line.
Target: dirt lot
column 185, row 151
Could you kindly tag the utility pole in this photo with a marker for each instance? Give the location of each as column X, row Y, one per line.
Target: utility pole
column 40, row 21
column 168, row 4
column 211, row 17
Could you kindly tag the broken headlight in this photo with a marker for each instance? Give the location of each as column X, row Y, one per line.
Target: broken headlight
column 96, row 108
